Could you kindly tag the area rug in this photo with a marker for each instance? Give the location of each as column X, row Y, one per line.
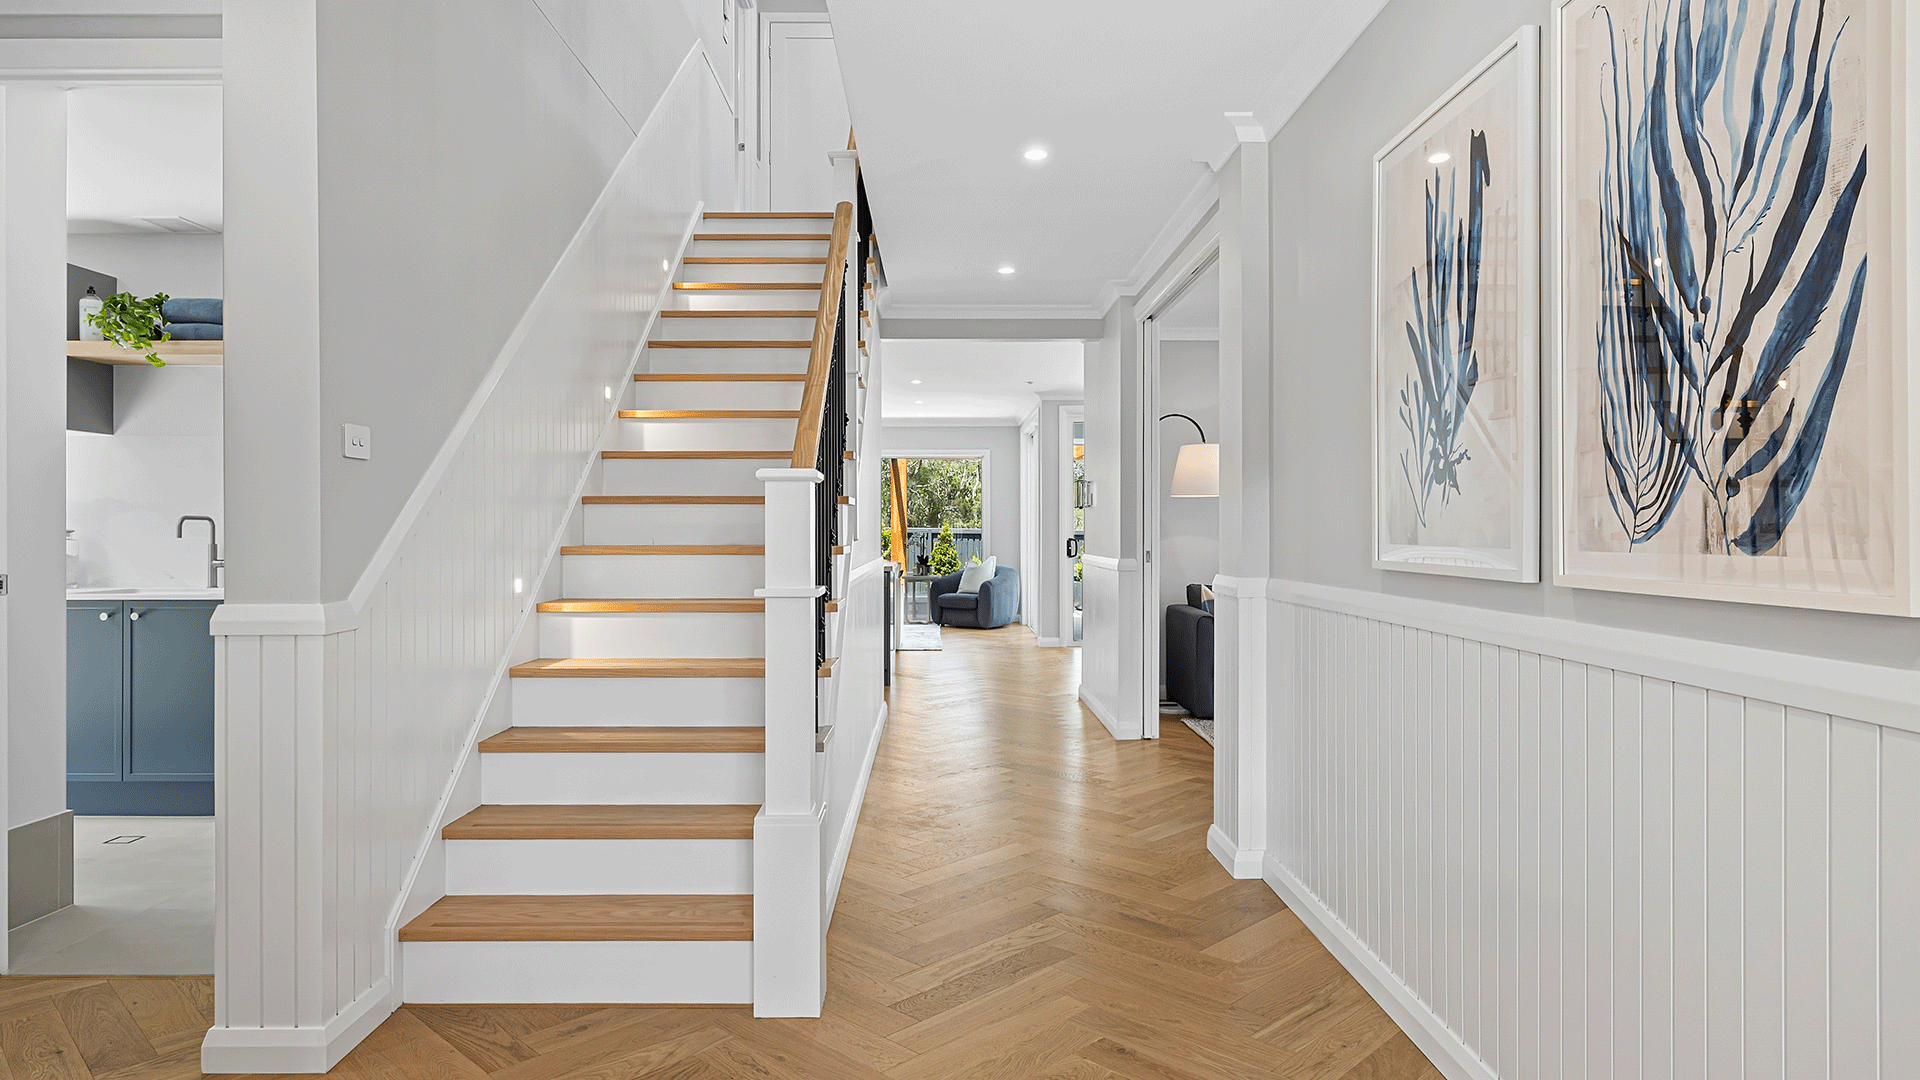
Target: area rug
column 1171, row 710
column 920, row 637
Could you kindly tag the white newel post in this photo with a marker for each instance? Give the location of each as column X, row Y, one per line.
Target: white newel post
column 789, row 946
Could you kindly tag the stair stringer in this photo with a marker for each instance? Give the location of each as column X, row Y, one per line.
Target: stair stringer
column 426, row 879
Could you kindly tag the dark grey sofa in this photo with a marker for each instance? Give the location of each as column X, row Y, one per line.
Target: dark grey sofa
column 1189, row 645
column 996, row 604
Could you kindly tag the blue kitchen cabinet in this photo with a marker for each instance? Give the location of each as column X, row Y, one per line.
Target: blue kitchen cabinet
column 140, row 707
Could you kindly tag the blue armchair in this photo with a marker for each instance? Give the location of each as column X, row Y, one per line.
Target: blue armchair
column 996, row 604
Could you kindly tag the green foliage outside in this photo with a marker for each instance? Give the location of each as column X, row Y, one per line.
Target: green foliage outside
column 133, row 323
column 940, row 491
column 944, row 558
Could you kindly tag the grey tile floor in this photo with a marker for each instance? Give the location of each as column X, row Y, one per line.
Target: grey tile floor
column 140, row 908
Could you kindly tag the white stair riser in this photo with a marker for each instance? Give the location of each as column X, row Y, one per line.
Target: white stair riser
column 566, row 972
column 739, row 329
column 599, row 867
column 652, row 634
column 687, row 476
column 745, row 299
column 622, row 779
column 812, row 273
column 662, row 575
column 704, row 434
column 675, row 523
column 639, row 702
column 777, row 249
column 717, row 395
column 730, row 361
column 813, row 223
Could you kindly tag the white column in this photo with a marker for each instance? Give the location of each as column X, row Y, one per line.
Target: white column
column 1241, row 677
column 33, row 729
column 789, row 940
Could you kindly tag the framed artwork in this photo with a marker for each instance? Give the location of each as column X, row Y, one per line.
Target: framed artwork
column 1736, row 422
column 1456, row 334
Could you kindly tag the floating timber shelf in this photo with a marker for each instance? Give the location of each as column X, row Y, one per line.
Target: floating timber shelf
column 190, row 353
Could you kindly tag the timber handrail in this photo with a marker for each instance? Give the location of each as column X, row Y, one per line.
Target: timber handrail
column 806, row 440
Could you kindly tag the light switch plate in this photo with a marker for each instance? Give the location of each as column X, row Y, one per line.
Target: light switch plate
column 356, row 442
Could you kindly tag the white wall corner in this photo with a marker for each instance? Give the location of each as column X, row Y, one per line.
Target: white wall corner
column 298, row 1049
column 1242, row 863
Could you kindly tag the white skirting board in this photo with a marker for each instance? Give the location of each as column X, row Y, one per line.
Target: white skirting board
column 1103, row 713
column 1441, row 1046
column 298, row 1049
column 837, row 869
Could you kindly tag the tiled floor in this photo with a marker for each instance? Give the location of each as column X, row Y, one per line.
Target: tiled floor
column 140, row 908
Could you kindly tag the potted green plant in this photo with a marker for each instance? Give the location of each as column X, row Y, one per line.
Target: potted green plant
column 133, row 323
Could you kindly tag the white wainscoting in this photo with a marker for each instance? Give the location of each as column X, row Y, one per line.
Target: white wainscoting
column 340, row 729
column 860, row 718
column 1566, row 851
column 1110, row 687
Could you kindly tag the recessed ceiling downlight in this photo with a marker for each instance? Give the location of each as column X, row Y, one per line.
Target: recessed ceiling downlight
column 1005, row 270
column 915, row 382
column 1440, row 158
column 1036, row 153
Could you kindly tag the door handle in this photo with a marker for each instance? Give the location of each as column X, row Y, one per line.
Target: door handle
column 133, row 616
column 105, row 615
column 1073, row 548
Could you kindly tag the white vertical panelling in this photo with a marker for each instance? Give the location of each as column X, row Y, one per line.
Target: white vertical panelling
column 340, row 733
column 1558, row 862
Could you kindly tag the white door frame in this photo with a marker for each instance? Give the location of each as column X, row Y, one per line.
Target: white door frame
column 1030, row 541
column 1069, row 416
column 1193, row 264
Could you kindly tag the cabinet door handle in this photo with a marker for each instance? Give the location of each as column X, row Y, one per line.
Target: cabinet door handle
column 133, row 616
column 105, row 615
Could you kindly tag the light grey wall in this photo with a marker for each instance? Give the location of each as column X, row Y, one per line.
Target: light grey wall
column 178, row 264
column 1189, row 549
column 450, row 183
column 1322, row 213
column 1002, row 497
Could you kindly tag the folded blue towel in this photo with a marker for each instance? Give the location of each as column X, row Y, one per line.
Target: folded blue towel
column 188, row 309
column 195, row 331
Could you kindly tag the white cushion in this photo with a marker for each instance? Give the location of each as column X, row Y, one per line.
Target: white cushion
column 973, row 576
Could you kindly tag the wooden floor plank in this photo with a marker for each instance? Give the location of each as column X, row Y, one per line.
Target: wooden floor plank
column 103, row 1029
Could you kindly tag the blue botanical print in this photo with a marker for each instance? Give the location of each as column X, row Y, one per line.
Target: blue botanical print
column 1723, row 244
column 1446, row 368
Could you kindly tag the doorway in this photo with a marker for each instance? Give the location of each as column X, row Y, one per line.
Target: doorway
column 805, row 111
column 139, row 479
column 1180, row 500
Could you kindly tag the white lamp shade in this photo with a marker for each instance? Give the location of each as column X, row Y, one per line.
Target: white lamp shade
column 1196, row 472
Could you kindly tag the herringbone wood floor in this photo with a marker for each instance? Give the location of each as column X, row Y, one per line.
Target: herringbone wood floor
column 1026, row 898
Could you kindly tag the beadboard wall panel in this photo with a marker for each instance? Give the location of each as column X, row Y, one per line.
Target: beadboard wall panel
column 1578, row 869
column 340, row 729
column 859, row 717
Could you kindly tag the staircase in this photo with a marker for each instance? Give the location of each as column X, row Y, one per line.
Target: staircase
column 612, row 856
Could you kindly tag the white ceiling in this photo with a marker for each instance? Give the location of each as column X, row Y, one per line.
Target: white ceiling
column 138, row 152
column 1127, row 96
column 975, row 382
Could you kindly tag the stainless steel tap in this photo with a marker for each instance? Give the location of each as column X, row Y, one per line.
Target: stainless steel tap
column 214, row 562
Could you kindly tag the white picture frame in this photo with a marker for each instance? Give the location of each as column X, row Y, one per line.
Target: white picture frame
column 1456, row 447
column 1862, row 491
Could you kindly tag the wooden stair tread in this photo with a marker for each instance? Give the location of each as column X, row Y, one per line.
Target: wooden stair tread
column 780, row 343
column 674, row 500
column 724, row 605
column 709, row 414
column 765, row 215
column 754, row 260
column 810, row 237
column 584, row 918
column 626, row 740
column 664, row 549
column 688, row 822
column 721, row 376
column 577, row 667
column 749, row 286
column 741, row 313
column 695, row 455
